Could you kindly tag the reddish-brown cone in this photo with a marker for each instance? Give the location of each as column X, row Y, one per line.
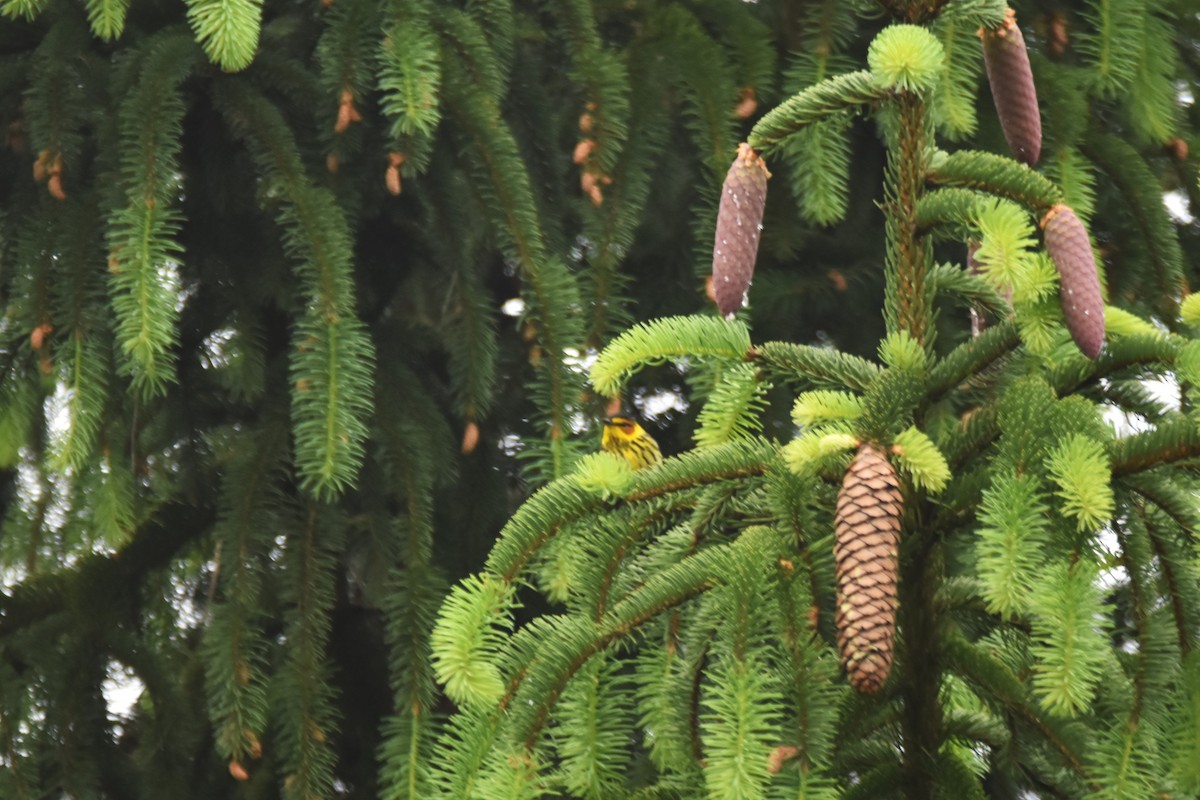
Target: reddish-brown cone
column 865, row 551
column 1011, row 80
column 739, row 226
column 1078, row 282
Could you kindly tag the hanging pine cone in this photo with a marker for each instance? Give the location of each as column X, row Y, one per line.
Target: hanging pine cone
column 1078, row 282
column 739, row 225
column 865, row 550
column 1011, row 80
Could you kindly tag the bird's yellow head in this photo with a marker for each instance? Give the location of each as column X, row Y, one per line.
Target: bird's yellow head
column 625, row 437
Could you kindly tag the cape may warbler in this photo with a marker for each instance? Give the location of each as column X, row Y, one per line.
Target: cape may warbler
column 625, row 437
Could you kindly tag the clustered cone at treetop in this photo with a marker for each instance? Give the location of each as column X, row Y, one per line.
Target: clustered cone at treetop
column 739, row 227
column 868, row 510
column 1011, row 79
column 865, row 551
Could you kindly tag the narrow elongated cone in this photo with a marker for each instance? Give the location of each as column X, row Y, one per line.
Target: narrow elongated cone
column 865, row 550
column 1011, row 80
column 1078, row 282
column 739, row 226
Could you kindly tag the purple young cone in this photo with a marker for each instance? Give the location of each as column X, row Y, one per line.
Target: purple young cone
column 1078, row 282
column 1011, row 80
column 739, row 226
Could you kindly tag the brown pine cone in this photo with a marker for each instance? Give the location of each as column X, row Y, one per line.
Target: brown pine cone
column 866, row 552
column 1078, row 282
column 739, row 225
column 1011, row 80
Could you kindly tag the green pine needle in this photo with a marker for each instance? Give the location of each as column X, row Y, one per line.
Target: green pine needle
column 906, row 57
column 467, row 637
column 1119, row 322
column 660, row 340
column 1007, row 244
column 732, row 410
column 901, row 351
column 1189, row 309
column 1082, row 471
column 1070, row 645
column 921, row 459
column 816, row 407
column 1009, row 546
column 605, row 474
column 227, row 30
column 818, row 450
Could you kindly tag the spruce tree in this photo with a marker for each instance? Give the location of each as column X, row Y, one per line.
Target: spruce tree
column 311, row 314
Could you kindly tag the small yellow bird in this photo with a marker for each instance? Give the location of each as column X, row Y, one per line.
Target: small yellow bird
column 625, row 437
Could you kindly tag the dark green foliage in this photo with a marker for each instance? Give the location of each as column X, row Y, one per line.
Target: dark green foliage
column 308, row 311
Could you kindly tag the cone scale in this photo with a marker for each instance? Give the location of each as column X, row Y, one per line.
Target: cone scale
column 865, row 551
column 1011, row 79
column 739, row 227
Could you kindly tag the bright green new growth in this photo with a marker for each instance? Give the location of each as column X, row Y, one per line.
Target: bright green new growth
column 1081, row 469
column 1119, row 322
column 1189, row 309
column 812, row 408
column 901, row 351
column 906, row 57
column 816, row 450
column 1069, row 647
column 467, row 637
column 732, row 410
column 1009, row 550
column 1006, row 250
column 921, row 459
column 673, row 337
column 227, row 30
column 605, row 474
column 298, row 402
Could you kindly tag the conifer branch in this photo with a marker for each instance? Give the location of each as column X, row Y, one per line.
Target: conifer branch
column 1168, row 443
column 975, row 665
column 996, row 175
column 821, row 366
column 551, row 288
column 906, row 299
column 143, row 236
column 829, row 97
column 157, row 542
column 332, row 360
column 1143, row 198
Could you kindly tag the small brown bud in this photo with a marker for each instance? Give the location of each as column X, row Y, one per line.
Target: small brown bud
column 589, row 182
column 16, row 137
column 238, row 771
column 586, row 123
column 470, row 439
column 332, row 163
column 252, row 743
column 39, row 166
column 747, row 103
column 1058, row 36
column 583, row 149
column 54, row 185
column 614, row 407
column 37, row 338
column 780, row 756
column 392, row 180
